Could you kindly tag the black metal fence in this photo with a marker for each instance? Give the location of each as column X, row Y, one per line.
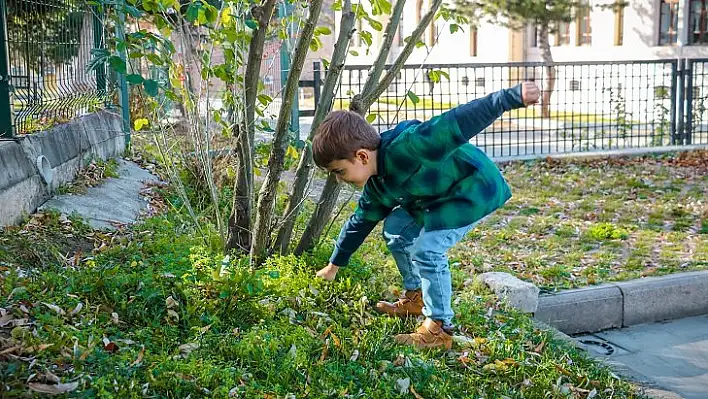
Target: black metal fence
column 49, row 45
column 594, row 106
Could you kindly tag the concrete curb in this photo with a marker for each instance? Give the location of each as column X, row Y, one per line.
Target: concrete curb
column 625, row 304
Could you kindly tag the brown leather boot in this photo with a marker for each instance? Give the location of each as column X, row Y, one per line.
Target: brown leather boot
column 429, row 335
column 410, row 304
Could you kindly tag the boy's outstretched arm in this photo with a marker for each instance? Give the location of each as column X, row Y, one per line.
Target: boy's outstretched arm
column 435, row 139
column 368, row 214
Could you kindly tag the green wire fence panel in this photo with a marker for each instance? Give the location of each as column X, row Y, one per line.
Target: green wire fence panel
column 50, row 44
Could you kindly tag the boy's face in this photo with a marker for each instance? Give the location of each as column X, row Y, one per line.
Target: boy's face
column 355, row 171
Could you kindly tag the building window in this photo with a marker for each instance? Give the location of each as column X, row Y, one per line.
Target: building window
column 619, row 22
column 534, row 36
column 668, row 22
column 583, row 26
column 699, row 22
column 473, row 41
column 563, row 34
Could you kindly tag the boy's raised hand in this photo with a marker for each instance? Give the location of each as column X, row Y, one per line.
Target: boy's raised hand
column 530, row 93
column 329, row 272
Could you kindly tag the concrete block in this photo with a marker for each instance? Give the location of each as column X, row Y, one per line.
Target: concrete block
column 520, row 294
column 582, row 310
column 674, row 296
column 16, row 167
column 21, row 199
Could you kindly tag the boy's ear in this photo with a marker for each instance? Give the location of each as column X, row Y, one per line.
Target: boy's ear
column 363, row 155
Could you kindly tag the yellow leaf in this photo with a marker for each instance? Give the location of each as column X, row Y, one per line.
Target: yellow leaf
column 291, row 152
column 226, row 16
column 140, row 123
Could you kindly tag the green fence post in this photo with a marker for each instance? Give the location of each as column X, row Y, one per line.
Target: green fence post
column 285, row 11
column 122, row 83
column 98, row 43
column 5, row 103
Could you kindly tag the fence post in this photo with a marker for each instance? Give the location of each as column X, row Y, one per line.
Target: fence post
column 122, row 83
column 97, row 44
column 675, row 77
column 5, row 103
column 681, row 101
column 317, row 80
column 689, row 103
column 285, row 11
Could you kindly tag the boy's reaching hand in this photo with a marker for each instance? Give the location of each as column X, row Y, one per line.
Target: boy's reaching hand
column 329, row 272
column 530, row 93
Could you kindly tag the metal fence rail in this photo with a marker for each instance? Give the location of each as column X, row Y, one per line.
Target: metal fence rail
column 594, row 106
column 49, row 44
column 697, row 101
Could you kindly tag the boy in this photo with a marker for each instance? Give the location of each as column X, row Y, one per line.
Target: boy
column 430, row 185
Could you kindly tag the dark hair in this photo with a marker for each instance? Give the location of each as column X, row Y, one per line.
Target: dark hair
column 341, row 135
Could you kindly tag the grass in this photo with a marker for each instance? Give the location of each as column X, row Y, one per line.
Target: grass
column 574, row 223
column 157, row 310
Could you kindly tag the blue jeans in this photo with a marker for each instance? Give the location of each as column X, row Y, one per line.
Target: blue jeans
column 421, row 257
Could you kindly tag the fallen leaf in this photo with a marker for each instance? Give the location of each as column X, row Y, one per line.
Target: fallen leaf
column 53, row 389
column 114, row 318
column 186, row 349
column 325, row 352
column 77, row 309
column 55, row 308
column 171, row 303
column 336, row 340
column 355, row 355
column 140, row 357
column 403, row 385
column 400, row 360
column 539, row 348
column 10, row 349
column 111, row 347
column 417, row 396
column 173, row 314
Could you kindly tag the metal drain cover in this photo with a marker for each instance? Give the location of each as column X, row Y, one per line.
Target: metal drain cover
column 597, row 347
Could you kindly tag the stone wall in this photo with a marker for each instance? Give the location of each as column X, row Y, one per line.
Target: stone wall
column 35, row 165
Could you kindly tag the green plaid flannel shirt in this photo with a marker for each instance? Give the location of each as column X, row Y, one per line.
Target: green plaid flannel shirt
column 430, row 170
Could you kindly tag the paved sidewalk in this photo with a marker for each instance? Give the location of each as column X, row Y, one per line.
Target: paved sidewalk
column 116, row 201
column 670, row 356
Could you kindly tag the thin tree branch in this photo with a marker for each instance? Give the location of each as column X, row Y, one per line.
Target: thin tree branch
column 380, row 63
column 369, row 97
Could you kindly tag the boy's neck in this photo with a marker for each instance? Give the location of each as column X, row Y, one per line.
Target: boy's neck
column 374, row 163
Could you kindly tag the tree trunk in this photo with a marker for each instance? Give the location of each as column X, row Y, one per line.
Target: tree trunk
column 276, row 161
column 328, row 200
column 239, row 226
column 305, row 166
column 360, row 104
column 550, row 70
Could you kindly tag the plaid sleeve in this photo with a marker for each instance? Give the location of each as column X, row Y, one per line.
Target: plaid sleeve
column 438, row 137
column 368, row 213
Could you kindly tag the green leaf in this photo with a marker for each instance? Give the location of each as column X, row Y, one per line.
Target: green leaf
column 354, row 53
column 326, row 63
column 366, row 37
column 371, row 118
column 414, row 99
column 133, row 12
column 265, row 99
column 251, row 23
column 315, row 44
column 322, row 30
column 192, row 12
column 337, row 5
column 117, row 64
column 140, row 123
column 420, row 44
column 134, row 79
column 434, row 76
column 454, row 28
column 445, row 74
column 211, row 14
column 378, row 26
column 155, row 59
column 151, row 87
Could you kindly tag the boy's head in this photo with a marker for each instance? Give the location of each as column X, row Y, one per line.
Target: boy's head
column 345, row 144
